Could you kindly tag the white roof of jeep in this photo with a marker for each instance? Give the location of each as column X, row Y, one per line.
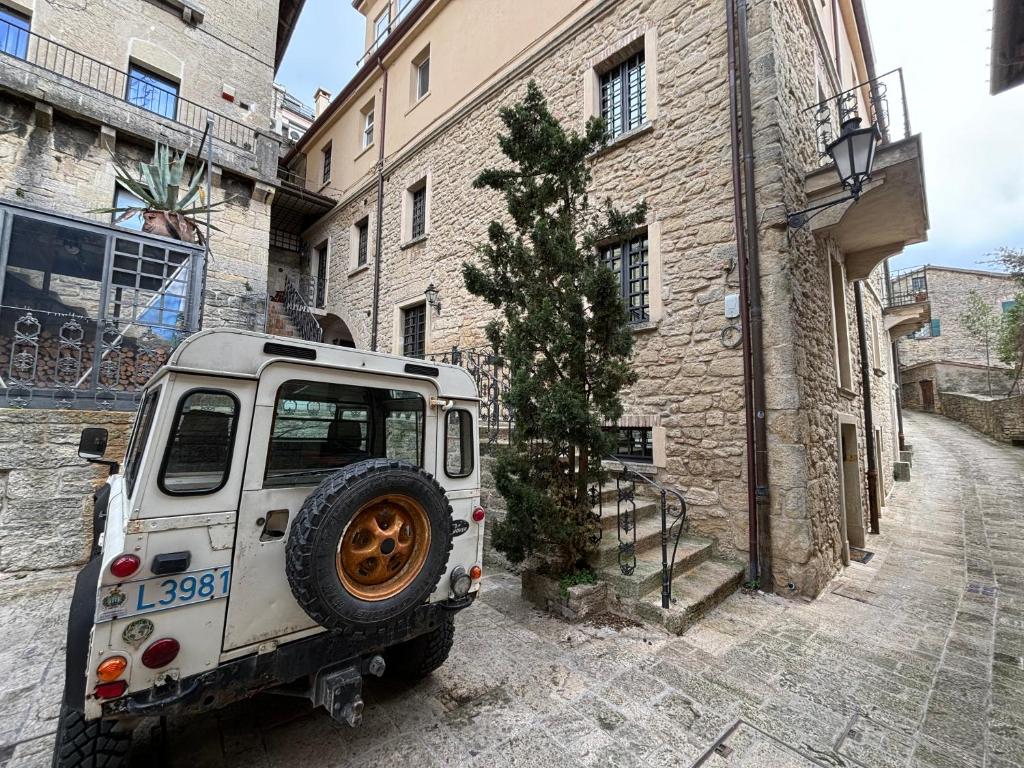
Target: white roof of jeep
column 229, row 352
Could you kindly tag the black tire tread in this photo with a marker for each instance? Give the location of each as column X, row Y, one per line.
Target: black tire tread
column 85, row 743
column 299, row 548
column 420, row 656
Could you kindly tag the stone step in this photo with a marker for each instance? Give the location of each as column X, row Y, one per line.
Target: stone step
column 647, row 574
column 648, row 536
column 645, row 510
column 694, row 593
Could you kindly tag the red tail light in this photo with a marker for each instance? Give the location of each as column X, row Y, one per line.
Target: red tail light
column 161, row 653
column 475, row 573
column 111, row 690
column 478, row 514
column 124, row 566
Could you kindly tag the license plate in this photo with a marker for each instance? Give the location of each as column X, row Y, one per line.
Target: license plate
column 159, row 594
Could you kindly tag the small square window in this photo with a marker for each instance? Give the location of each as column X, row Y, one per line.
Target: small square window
column 14, row 32
column 152, row 92
column 327, row 163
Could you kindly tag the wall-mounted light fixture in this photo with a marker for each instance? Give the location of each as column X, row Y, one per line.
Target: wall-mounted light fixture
column 432, row 298
column 854, row 156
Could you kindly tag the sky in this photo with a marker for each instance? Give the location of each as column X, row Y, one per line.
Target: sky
column 973, row 153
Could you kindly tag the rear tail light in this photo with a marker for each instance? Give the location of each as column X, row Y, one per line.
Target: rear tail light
column 478, row 514
column 111, row 669
column 124, row 566
column 161, row 653
column 475, row 573
column 461, row 582
column 110, row 690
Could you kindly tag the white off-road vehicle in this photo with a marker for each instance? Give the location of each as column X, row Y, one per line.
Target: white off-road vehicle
column 277, row 523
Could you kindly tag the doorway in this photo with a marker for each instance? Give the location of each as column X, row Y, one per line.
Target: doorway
column 928, row 395
column 850, row 475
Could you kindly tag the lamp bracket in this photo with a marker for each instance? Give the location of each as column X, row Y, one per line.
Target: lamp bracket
column 799, row 219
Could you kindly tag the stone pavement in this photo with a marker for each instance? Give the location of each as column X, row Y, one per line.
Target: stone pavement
column 914, row 659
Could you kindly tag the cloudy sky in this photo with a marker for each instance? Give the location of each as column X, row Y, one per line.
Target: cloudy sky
column 974, row 156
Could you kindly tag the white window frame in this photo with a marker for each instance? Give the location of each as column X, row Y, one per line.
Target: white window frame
column 420, row 181
column 378, row 35
column 368, row 128
column 421, row 61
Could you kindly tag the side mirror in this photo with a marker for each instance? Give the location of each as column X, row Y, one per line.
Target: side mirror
column 93, row 443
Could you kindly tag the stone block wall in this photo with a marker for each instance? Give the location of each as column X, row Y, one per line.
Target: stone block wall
column 46, row 489
column 965, row 378
column 1002, row 419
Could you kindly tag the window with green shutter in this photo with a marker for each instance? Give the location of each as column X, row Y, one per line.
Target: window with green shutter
column 936, row 328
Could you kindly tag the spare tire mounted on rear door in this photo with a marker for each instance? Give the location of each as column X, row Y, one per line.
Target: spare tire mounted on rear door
column 369, row 545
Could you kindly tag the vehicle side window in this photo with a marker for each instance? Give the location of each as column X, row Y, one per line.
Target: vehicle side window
column 199, row 449
column 320, row 427
column 458, row 443
column 140, row 436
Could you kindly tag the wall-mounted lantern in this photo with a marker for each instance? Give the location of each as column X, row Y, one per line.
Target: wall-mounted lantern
column 432, row 298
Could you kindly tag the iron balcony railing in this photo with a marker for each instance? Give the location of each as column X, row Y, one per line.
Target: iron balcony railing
column 299, row 313
column 882, row 101
column 907, row 287
column 130, row 88
column 404, row 7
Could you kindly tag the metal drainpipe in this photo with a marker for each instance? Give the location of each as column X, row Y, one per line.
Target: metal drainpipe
column 741, row 261
column 869, row 420
column 748, row 243
column 898, row 380
column 379, row 238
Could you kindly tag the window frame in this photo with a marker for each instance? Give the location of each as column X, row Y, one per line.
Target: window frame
column 134, row 70
column 417, row 307
column 327, row 160
column 419, row 192
column 21, row 35
column 378, row 35
column 175, row 423
column 631, row 458
column 464, row 439
column 368, row 128
column 131, row 473
column 362, row 242
column 621, row 73
column 323, row 255
column 422, row 68
column 623, row 273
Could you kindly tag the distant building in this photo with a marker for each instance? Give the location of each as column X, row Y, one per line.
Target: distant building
column 1007, row 45
column 292, row 118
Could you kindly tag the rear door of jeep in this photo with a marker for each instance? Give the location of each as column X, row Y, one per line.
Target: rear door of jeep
column 309, row 421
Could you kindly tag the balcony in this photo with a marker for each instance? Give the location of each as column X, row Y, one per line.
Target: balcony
column 892, row 212
column 51, row 73
column 89, row 312
column 907, row 306
column 383, row 33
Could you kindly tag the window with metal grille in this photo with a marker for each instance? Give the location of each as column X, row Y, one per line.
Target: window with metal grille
column 414, row 331
column 149, row 286
column 419, row 212
column 363, row 241
column 327, row 163
column 152, row 92
column 629, row 261
column 14, row 32
column 624, row 95
column 634, row 444
column 321, row 276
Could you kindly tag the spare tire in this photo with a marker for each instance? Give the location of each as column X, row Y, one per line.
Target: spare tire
column 369, row 545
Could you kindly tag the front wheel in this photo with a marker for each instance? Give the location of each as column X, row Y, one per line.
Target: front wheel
column 85, row 743
column 420, row 656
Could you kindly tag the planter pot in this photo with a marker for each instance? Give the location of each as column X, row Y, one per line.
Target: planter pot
column 575, row 604
column 159, row 223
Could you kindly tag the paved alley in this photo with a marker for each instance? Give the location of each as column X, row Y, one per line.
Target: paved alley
column 914, row 659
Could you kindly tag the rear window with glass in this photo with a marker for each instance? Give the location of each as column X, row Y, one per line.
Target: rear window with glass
column 320, row 427
column 199, row 452
column 458, row 445
column 139, row 438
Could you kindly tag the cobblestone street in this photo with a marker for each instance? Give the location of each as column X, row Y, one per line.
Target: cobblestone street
column 914, row 659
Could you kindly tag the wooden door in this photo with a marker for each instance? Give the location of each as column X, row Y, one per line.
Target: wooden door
column 928, row 395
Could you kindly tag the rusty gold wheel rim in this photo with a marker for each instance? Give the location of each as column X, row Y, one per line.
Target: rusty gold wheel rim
column 384, row 547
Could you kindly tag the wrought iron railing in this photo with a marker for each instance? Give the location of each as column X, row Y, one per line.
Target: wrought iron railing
column 882, row 101
column 299, row 313
column 492, row 381
column 907, row 287
column 63, row 61
column 671, row 508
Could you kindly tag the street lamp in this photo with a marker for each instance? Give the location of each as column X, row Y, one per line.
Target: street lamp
column 432, row 298
column 854, row 156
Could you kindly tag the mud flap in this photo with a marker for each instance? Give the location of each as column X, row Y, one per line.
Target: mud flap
column 80, row 621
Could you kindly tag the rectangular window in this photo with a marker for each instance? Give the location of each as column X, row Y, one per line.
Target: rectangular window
column 634, row 444
column 624, row 95
column 320, row 292
column 423, row 78
column 320, row 427
column 198, row 457
column 419, row 212
column 841, row 330
column 152, row 92
column 414, row 331
column 367, row 129
column 327, row 163
column 382, row 27
column 139, row 438
column 458, row 444
column 14, row 31
column 362, row 242
column 629, row 261
column 125, row 199
column 403, row 8
column 918, row 284
column 935, row 328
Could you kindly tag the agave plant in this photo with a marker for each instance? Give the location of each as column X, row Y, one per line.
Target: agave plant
column 168, row 209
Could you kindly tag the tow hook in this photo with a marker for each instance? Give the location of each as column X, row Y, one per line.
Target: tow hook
column 339, row 691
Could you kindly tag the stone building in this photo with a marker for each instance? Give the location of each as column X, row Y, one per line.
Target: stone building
column 88, row 309
column 942, row 356
column 396, row 151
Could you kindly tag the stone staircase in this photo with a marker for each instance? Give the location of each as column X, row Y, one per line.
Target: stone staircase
column 701, row 579
column 278, row 322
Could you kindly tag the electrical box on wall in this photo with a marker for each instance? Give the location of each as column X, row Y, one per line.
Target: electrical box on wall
column 732, row 306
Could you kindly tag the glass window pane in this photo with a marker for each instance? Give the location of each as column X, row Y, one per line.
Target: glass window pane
column 139, row 438
column 125, row 199
column 199, row 453
column 414, row 331
column 458, row 455
column 152, row 92
column 14, row 30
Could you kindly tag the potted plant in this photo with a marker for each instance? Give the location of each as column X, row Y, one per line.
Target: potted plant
column 167, row 210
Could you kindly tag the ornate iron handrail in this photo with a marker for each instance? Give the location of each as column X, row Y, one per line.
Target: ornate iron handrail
column 300, row 314
column 492, row 382
column 54, row 57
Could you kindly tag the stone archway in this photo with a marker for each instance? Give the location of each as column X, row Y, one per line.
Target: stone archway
column 336, row 332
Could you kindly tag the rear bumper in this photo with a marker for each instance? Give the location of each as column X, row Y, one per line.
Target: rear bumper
column 241, row 678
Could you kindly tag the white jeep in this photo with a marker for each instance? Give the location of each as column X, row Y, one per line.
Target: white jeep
column 276, row 521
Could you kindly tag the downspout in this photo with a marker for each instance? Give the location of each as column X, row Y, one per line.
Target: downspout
column 897, row 377
column 379, row 236
column 869, row 419
column 748, row 251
